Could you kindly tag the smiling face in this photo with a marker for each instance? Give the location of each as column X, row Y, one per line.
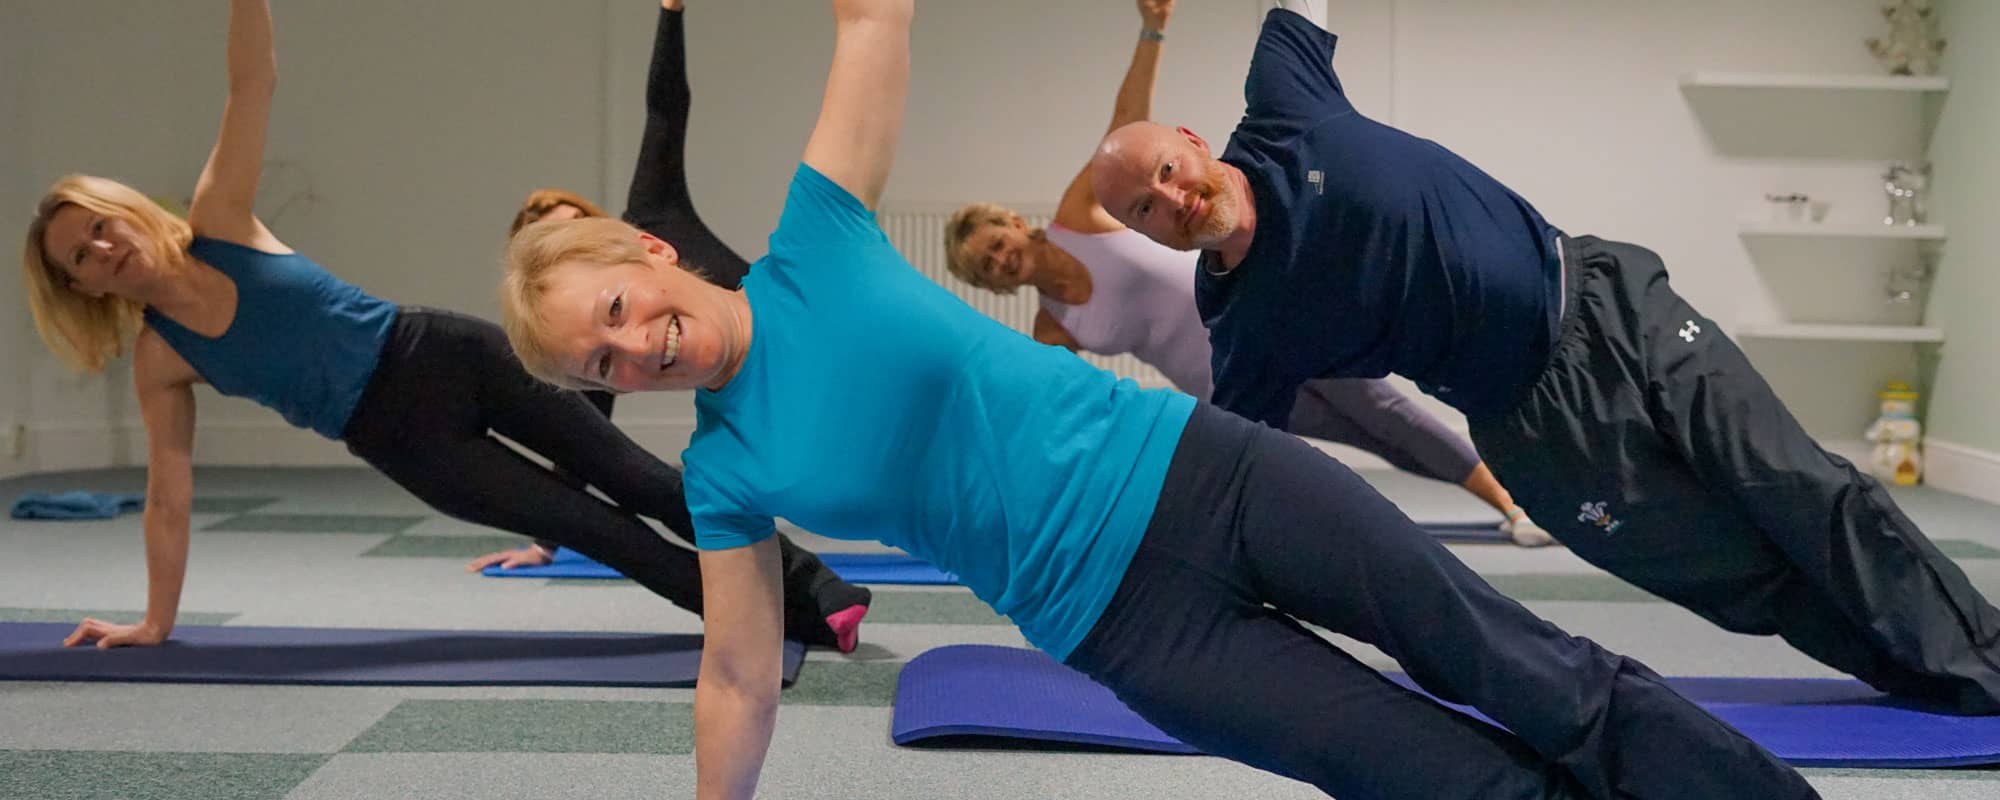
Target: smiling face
column 1163, row 182
column 99, row 254
column 640, row 326
column 1001, row 254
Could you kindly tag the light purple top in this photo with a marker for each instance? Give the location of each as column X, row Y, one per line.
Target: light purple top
column 1141, row 302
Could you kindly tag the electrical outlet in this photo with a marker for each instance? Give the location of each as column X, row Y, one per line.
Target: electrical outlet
column 18, row 445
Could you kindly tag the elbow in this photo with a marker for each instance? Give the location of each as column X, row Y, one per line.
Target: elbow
column 259, row 82
column 757, row 698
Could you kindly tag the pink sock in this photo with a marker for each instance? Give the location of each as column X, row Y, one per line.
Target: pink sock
column 846, row 625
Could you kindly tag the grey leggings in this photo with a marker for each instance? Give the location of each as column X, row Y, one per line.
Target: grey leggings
column 1370, row 414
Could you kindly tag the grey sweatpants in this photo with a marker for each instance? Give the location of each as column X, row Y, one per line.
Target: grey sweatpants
column 1372, row 415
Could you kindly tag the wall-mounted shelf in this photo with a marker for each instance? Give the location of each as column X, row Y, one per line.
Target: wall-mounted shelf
column 1711, row 79
column 1844, row 333
column 1843, row 229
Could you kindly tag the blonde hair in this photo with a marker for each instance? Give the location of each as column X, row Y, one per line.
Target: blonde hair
column 88, row 332
column 532, row 256
column 962, row 225
column 543, row 201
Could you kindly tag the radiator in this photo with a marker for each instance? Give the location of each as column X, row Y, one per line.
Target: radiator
column 919, row 235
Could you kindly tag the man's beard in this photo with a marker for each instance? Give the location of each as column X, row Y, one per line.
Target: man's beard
column 1219, row 213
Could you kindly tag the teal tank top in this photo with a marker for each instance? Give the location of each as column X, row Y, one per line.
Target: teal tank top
column 304, row 343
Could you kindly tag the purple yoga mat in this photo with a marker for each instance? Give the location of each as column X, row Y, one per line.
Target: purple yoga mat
column 1008, row 693
column 33, row 651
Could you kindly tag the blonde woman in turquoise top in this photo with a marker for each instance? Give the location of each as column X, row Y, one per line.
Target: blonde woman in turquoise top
column 1166, row 549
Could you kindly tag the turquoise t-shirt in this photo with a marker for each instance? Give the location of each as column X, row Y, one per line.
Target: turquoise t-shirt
column 873, row 404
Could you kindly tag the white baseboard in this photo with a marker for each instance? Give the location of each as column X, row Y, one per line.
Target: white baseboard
column 1956, row 468
column 77, row 446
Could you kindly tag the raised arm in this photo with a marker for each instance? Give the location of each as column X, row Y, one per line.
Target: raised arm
column 164, row 382
column 854, row 141
column 226, row 193
column 736, row 694
column 1079, row 210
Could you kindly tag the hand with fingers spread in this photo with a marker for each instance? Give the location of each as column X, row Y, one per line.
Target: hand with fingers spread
column 1153, row 14
column 110, row 634
column 533, row 555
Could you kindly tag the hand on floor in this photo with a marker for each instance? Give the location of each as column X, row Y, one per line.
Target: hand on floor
column 109, row 635
column 530, row 556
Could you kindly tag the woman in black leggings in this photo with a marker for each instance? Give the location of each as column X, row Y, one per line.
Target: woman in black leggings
column 418, row 394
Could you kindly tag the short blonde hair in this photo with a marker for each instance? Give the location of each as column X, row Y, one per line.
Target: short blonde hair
column 532, row 257
column 962, row 225
column 88, row 332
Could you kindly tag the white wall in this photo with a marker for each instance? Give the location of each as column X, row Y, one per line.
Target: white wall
column 15, row 330
column 420, row 126
column 1964, row 432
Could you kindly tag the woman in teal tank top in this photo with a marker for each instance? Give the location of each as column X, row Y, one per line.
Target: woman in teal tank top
column 416, row 393
column 1165, row 548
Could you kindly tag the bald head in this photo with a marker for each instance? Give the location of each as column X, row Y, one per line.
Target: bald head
column 1163, row 182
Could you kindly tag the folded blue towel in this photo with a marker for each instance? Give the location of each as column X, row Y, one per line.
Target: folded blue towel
column 76, row 505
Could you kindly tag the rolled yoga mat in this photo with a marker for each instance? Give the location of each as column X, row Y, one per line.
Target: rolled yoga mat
column 33, row 651
column 984, row 693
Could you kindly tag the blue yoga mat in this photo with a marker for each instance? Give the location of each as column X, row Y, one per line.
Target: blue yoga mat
column 33, row 651
column 1467, row 532
column 855, row 567
column 1022, row 695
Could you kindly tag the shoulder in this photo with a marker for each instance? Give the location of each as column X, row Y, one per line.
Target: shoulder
column 248, row 232
column 156, row 364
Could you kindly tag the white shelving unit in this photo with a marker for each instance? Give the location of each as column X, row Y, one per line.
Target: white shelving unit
column 1844, row 333
column 1809, row 121
column 1856, row 230
column 1713, row 79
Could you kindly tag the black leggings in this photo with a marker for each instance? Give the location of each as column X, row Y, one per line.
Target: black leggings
column 446, row 383
column 1653, row 448
column 658, row 201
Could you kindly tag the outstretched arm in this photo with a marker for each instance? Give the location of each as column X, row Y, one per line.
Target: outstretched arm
column 736, row 694
column 225, row 194
column 1079, row 210
column 164, row 382
column 861, row 117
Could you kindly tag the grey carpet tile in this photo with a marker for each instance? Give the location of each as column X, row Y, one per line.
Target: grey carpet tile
column 892, row 607
column 530, row 726
column 69, row 775
column 499, row 776
column 844, row 683
column 1965, row 549
column 230, row 505
column 115, row 616
column 453, row 546
column 313, row 523
column 187, row 717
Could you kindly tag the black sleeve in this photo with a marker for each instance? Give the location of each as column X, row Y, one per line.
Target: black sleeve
column 1291, row 72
